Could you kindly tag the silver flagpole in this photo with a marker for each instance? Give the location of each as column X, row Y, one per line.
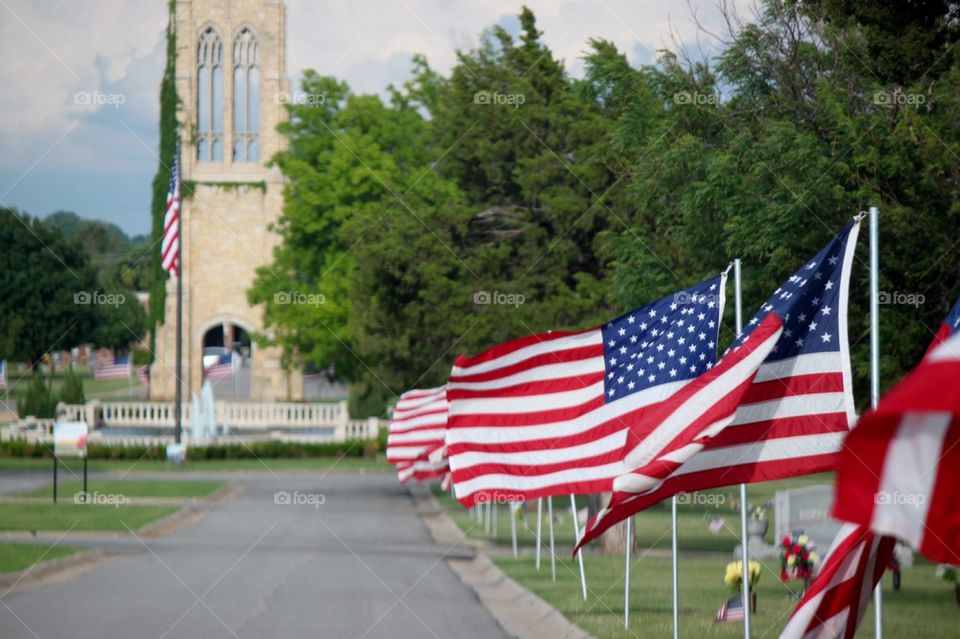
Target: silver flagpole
column 496, row 519
column 745, row 554
column 539, row 526
column 676, row 572
column 511, row 508
column 875, row 372
column 553, row 554
column 626, row 581
column 487, row 523
column 576, row 539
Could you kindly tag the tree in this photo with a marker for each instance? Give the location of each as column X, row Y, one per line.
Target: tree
column 46, row 286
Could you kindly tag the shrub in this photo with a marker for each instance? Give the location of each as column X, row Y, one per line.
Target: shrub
column 71, row 392
column 38, row 400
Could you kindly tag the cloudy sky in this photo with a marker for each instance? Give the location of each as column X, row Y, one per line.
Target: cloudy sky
column 78, row 113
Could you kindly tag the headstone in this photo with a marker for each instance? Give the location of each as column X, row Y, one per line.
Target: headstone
column 806, row 510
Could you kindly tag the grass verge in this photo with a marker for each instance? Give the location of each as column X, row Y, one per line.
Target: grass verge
column 178, row 488
column 78, row 517
column 16, row 557
column 315, row 464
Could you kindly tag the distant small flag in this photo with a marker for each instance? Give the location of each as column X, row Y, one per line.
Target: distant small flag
column 418, row 424
column 170, row 247
column 3, row 373
column 118, row 368
column 224, row 368
column 730, row 611
column 949, row 327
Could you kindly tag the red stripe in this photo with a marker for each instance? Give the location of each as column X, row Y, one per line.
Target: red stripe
column 941, row 539
column 536, row 417
column 793, row 386
column 860, row 467
column 506, row 348
column 539, row 387
column 818, row 424
column 535, row 470
column 512, row 494
column 565, row 356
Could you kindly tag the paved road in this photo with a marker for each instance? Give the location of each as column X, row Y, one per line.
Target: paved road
column 361, row 564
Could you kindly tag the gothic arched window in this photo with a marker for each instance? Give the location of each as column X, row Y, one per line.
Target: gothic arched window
column 246, row 98
column 210, row 96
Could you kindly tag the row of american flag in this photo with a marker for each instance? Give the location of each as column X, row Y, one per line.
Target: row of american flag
column 642, row 408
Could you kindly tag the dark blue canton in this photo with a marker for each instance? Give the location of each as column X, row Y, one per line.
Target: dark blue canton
column 670, row 340
column 953, row 319
column 808, row 303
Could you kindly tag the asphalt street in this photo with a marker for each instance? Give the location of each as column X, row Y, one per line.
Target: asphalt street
column 289, row 556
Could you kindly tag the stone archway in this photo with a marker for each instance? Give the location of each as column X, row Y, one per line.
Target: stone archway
column 226, row 359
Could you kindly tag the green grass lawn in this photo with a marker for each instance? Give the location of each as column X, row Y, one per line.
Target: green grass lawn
column 132, row 488
column 652, row 525
column 314, row 464
column 92, row 388
column 925, row 607
column 66, row 515
column 15, row 557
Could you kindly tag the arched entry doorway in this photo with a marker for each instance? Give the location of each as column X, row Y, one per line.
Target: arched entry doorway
column 226, row 361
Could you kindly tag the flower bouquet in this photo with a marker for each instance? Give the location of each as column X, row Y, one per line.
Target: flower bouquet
column 733, row 578
column 798, row 557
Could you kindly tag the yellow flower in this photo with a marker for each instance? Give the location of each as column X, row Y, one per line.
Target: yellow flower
column 813, row 557
column 791, row 560
column 802, row 540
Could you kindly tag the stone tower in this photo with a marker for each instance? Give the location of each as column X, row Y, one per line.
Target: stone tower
column 232, row 84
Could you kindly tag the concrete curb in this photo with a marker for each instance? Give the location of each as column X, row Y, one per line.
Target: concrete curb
column 521, row 613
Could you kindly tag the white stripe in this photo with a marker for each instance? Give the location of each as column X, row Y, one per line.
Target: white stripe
column 588, row 338
column 405, row 404
column 793, row 406
column 544, row 456
column 549, row 430
column 906, row 486
column 532, row 482
column 438, row 419
column 416, row 436
column 949, row 349
column 809, row 364
column 581, row 367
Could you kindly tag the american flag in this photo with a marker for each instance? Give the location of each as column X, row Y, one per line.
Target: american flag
column 949, row 327
column 790, row 418
column 547, row 414
column 899, row 472
column 170, row 247
column 224, row 368
column 730, row 611
column 3, row 373
column 417, row 425
column 118, row 368
column 834, row 603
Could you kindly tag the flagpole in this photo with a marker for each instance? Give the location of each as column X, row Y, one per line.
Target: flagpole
column 539, row 526
column 513, row 527
column 744, row 553
column 553, row 554
column 626, row 579
column 676, row 567
column 875, row 372
column 178, row 429
column 576, row 539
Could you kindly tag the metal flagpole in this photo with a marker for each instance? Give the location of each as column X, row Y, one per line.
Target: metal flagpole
column 626, row 579
column 553, row 554
column 513, row 527
column 178, row 397
column 487, row 522
column 745, row 554
column 539, row 526
column 875, row 372
column 576, row 539
column 496, row 519
column 676, row 566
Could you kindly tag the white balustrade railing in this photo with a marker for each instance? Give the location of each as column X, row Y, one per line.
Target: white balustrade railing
column 308, row 421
